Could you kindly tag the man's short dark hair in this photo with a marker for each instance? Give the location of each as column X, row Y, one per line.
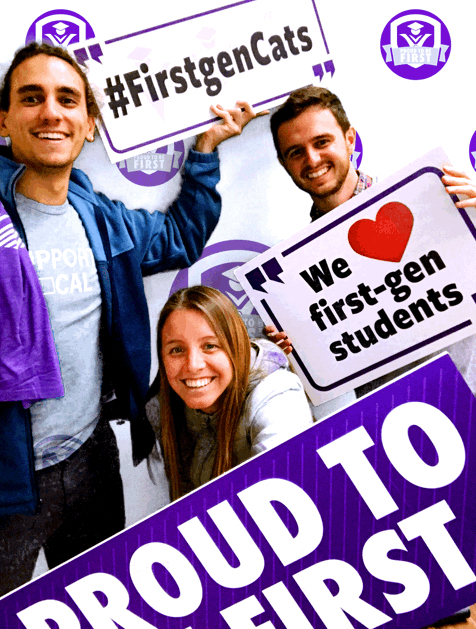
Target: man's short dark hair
column 300, row 100
column 32, row 50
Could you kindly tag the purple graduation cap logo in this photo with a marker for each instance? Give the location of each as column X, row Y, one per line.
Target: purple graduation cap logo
column 59, row 28
column 415, row 45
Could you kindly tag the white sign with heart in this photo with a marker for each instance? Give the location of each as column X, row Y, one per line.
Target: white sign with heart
column 374, row 285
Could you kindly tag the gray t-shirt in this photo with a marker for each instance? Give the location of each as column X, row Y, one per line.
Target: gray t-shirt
column 62, row 257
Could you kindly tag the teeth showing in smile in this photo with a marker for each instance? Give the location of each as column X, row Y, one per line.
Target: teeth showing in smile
column 196, row 384
column 50, row 136
column 318, row 173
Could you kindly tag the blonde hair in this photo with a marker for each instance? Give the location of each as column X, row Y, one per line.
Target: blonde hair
column 233, row 337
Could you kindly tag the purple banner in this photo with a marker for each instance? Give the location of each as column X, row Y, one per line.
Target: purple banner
column 367, row 519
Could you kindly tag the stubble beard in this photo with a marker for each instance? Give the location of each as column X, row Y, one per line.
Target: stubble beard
column 328, row 193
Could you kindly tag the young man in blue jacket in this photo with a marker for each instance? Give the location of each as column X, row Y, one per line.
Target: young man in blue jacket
column 60, row 486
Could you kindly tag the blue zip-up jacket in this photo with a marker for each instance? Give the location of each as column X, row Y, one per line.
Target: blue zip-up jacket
column 126, row 245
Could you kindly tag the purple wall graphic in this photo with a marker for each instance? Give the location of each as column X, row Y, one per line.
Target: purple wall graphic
column 217, row 264
column 472, row 151
column 154, row 168
column 357, row 155
column 415, row 44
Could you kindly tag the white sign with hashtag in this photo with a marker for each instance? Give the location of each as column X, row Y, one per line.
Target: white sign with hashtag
column 159, row 83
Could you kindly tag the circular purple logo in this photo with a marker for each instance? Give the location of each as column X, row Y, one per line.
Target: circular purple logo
column 356, row 157
column 215, row 268
column 415, row 44
column 154, row 168
column 472, row 151
column 60, row 28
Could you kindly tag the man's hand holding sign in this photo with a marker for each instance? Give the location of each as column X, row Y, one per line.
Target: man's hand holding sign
column 458, row 182
column 232, row 123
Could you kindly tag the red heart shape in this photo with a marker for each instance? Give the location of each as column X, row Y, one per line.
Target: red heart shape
column 385, row 238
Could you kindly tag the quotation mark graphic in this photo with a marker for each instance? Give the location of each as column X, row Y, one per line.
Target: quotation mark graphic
column 272, row 269
column 328, row 67
column 82, row 55
column 94, row 51
column 116, row 90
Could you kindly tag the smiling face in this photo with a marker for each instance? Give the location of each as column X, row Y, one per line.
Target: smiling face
column 315, row 152
column 47, row 120
column 197, row 368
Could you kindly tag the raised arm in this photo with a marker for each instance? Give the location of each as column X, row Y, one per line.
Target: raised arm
column 173, row 240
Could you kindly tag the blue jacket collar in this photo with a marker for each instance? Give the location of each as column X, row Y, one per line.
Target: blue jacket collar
column 10, row 172
column 80, row 184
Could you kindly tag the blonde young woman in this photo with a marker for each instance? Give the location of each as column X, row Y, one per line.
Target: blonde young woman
column 218, row 398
